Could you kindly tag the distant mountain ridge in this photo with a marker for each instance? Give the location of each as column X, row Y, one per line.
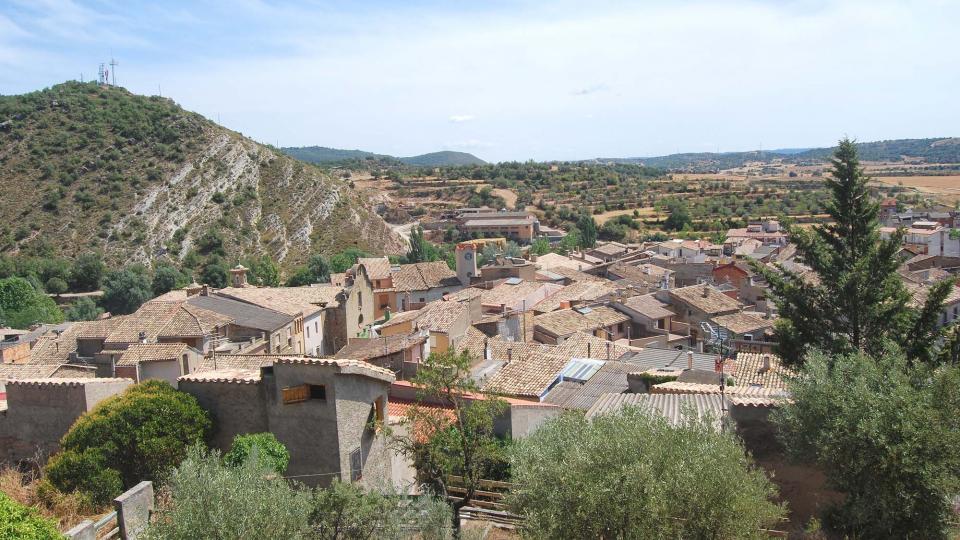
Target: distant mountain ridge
column 933, row 150
column 322, row 154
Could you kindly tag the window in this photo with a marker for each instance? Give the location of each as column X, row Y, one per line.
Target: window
column 661, row 323
column 308, row 332
column 360, row 298
column 318, row 391
column 748, row 337
column 303, row 392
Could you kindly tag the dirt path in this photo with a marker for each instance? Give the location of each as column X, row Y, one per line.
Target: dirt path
column 645, row 212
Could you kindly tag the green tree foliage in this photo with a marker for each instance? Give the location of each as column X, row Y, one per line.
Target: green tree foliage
column 253, row 503
column 632, row 475
column 141, row 434
column 886, row 433
column 859, row 301
column 21, row 305
column 347, row 512
column 214, row 273
column 341, row 262
column 316, row 271
column 679, row 217
column 18, row 522
column 83, row 309
column 540, row 246
column 55, row 285
column 125, row 290
column 86, row 473
column 571, row 242
column 465, row 446
column 271, row 453
column 588, row 231
column 87, row 272
column 418, row 246
column 166, row 278
column 263, row 271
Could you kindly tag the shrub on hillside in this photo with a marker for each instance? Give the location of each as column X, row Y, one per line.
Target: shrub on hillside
column 24, row 523
column 271, row 453
column 140, row 434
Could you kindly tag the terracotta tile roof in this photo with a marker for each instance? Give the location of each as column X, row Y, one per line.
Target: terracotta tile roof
column 292, row 301
column 437, row 316
column 514, row 295
column 397, row 409
column 346, row 366
column 472, row 342
column 583, row 319
column 99, row 328
column 54, row 381
column 238, row 361
column 706, row 298
column 579, row 291
column 26, row 371
column 192, row 321
column 642, row 273
column 245, row 314
column 611, row 248
column 530, row 377
column 744, row 322
column 377, row 267
column 748, row 371
column 551, row 261
column 424, row 276
column 648, row 306
column 368, row 348
column 582, row 345
column 152, row 352
column 574, row 275
column 149, row 319
column 236, row 376
column 51, row 348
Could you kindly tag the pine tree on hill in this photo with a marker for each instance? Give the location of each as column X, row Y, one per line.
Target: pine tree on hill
column 857, row 300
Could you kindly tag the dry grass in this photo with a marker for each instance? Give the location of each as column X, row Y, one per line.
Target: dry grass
column 945, row 188
column 29, row 489
column 645, row 212
column 509, row 196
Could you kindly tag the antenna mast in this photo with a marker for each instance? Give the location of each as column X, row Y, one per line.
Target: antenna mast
column 113, row 67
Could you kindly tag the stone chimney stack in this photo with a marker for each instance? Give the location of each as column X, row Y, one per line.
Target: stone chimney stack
column 193, row 289
column 689, row 359
column 766, row 363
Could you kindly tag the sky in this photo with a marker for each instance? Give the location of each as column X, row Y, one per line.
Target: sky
column 520, row 80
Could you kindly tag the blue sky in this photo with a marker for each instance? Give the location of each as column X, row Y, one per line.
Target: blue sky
column 515, row 80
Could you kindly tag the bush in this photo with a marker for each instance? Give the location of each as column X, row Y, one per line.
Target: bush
column 125, row 290
column 140, row 434
column 55, row 285
column 87, row 473
column 18, row 522
column 83, row 309
column 271, row 453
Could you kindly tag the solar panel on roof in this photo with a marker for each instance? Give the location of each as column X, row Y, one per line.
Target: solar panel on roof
column 583, row 310
column 513, row 281
column 580, row 369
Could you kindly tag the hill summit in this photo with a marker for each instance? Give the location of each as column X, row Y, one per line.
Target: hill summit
column 85, row 167
column 322, row 154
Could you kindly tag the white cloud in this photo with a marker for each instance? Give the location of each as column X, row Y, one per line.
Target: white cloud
column 460, row 118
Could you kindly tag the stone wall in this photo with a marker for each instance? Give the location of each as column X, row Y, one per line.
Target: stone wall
column 40, row 412
column 235, row 408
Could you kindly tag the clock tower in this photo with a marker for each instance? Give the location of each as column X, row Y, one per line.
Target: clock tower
column 466, row 262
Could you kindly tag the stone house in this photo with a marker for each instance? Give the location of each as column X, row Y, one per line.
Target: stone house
column 601, row 321
column 161, row 361
column 325, row 411
column 416, row 285
column 445, row 322
column 698, row 303
column 39, row 412
column 399, row 353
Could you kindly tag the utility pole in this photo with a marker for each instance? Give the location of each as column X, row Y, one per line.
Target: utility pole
column 113, row 69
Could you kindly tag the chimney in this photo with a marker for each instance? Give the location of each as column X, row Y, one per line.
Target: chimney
column 565, row 304
column 588, row 350
column 608, row 351
column 706, row 290
column 205, row 290
column 486, row 349
column 193, row 289
column 689, row 359
column 143, row 337
column 766, row 363
column 509, row 355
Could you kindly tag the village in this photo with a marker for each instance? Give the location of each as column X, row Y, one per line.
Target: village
column 680, row 326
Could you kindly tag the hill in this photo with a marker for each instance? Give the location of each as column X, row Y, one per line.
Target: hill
column 934, row 150
column 86, row 168
column 322, row 154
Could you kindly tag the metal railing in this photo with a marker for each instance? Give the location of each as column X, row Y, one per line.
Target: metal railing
column 107, row 527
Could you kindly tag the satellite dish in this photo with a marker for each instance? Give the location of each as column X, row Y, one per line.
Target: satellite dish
column 717, row 334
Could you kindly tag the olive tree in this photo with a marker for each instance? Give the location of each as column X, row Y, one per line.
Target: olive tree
column 631, row 474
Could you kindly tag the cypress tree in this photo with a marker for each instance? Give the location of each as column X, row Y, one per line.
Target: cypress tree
column 854, row 300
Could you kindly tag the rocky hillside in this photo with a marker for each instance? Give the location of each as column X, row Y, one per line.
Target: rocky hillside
column 87, row 168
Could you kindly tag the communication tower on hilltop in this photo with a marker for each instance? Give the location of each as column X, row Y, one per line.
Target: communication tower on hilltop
column 113, row 67
column 103, row 74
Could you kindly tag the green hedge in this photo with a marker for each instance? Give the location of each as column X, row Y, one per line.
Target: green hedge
column 271, row 453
